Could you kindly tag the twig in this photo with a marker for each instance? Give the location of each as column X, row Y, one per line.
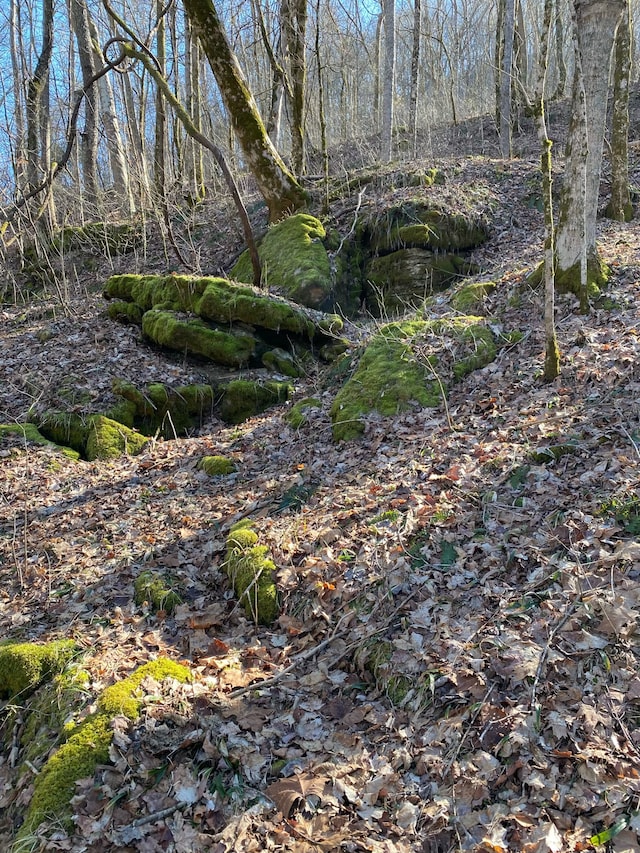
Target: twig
column 458, row 748
column 545, row 651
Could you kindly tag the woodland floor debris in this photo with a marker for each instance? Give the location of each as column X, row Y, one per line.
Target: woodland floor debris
column 505, row 583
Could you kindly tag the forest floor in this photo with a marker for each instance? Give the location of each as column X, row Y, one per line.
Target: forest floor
column 445, row 547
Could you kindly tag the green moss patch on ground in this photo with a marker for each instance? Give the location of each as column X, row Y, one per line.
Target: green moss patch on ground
column 23, row 666
column 108, row 439
column 217, row 466
column 297, row 416
column 155, row 590
column 171, row 411
column 244, row 398
column 251, row 573
column 470, row 297
column 294, row 260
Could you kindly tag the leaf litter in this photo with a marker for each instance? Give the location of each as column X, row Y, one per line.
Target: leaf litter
column 456, row 664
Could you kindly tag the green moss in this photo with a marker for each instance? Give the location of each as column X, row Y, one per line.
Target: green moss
column 388, row 379
column 553, row 452
column 108, row 439
column 30, row 432
column 158, row 408
column 217, row 466
column 387, row 515
column 414, row 224
column 87, row 746
column 281, row 361
column 108, row 238
column 224, row 302
column 625, row 509
column 252, row 574
column 65, row 429
column 177, row 293
column 243, row 398
column 297, row 416
column 152, row 588
column 471, row 296
column 332, row 323
column 125, row 312
column 195, row 337
column 23, row 666
column 377, row 659
column 398, row 369
column 294, row 260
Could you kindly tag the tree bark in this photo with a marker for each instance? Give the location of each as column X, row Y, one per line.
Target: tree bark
column 595, row 25
column 619, row 206
column 294, row 21
column 89, row 136
column 278, row 187
column 388, row 89
column 506, row 74
column 415, row 75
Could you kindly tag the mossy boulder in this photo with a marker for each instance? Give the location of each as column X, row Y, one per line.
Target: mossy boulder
column 283, row 362
column 171, row 292
column 416, row 224
column 294, row 261
column 471, row 297
column 251, row 573
column 23, row 666
column 171, row 411
column 30, row 432
column 297, row 416
column 93, row 437
column 87, row 746
column 108, row 439
column 217, row 466
column 227, row 302
column 195, row 337
column 410, row 363
column 155, row 590
column 244, row 398
column 125, row 312
column 404, row 279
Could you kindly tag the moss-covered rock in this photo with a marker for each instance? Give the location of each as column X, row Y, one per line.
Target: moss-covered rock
column 158, row 408
column 416, row 224
column 104, row 238
column 244, row 398
column 281, row 361
column 470, row 297
column 294, row 260
column 252, row 574
column 87, row 746
column 404, row 279
column 226, row 302
column 195, row 337
column 170, row 292
column 93, row 437
column 23, row 666
column 108, row 439
column 30, row 432
column 297, row 416
column 402, row 366
column 125, row 312
column 217, row 466
column 155, row 590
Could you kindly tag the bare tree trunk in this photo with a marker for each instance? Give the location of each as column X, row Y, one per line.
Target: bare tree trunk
column 16, row 52
column 377, row 98
column 388, row 91
column 278, row 187
column 620, row 207
column 294, row 22
column 111, row 126
column 36, row 108
column 321, row 112
column 160, row 140
column 194, row 107
column 506, row 73
column 415, row 75
column 498, row 57
column 89, row 136
column 560, row 62
column 595, row 28
column 552, row 353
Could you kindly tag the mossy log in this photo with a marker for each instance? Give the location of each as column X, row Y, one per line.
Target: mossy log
column 23, row 666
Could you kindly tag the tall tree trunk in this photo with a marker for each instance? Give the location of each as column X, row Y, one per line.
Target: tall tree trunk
column 389, row 76
column 36, row 108
column 294, row 22
column 195, row 169
column 111, row 127
column 377, row 94
column 89, row 136
column 561, row 84
column 15, row 39
column 620, row 207
column 160, row 140
column 595, row 24
column 278, row 187
column 552, row 353
column 321, row 112
column 498, row 57
column 415, row 75
column 506, row 76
